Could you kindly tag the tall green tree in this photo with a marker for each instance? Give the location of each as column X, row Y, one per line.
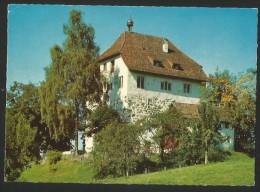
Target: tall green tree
column 26, row 135
column 100, row 118
column 72, row 81
column 115, row 150
column 165, row 126
column 209, row 124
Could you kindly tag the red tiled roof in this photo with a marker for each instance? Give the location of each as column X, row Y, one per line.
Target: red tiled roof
column 139, row 51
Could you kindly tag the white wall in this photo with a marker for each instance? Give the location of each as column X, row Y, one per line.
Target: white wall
column 131, row 102
column 89, row 143
column 152, row 88
column 134, row 103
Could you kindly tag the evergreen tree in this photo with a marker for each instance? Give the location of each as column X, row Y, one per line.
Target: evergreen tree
column 72, row 81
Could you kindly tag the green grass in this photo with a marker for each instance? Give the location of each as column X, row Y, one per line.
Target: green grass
column 238, row 170
column 66, row 172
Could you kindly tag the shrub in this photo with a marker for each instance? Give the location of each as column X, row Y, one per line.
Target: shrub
column 145, row 164
column 217, row 154
column 53, row 157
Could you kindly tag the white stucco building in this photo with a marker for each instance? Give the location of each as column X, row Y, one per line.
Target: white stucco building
column 147, row 73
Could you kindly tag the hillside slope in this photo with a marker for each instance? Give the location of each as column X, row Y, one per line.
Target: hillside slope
column 238, row 170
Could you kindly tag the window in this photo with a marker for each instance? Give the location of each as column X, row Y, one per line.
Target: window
column 120, row 81
column 229, row 140
column 113, row 66
column 105, row 66
column 166, row 86
column 186, row 88
column 140, row 82
column 157, row 63
column 177, row 66
column 222, row 125
column 169, row 87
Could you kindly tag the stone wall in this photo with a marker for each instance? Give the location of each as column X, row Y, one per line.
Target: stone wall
column 135, row 107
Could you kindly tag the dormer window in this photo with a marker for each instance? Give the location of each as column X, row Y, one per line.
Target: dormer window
column 177, row 66
column 157, row 63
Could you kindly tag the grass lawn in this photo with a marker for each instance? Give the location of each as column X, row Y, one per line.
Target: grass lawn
column 238, row 170
column 66, row 172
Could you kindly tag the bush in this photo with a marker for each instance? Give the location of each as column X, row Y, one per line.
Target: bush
column 217, row 154
column 145, row 164
column 53, row 157
column 181, row 157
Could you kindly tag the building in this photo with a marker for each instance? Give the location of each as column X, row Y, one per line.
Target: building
column 146, row 73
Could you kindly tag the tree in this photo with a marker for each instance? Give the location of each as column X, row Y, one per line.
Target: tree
column 26, row 135
column 209, row 124
column 100, row 118
column 72, row 81
column 115, row 150
column 190, row 148
column 220, row 87
column 166, row 127
column 236, row 97
column 243, row 118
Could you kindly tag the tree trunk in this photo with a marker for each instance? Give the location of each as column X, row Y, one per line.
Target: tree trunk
column 76, row 132
column 76, row 139
column 206, row 153
column 162, row 153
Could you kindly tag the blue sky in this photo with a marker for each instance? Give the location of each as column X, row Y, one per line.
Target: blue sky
column 223, row 37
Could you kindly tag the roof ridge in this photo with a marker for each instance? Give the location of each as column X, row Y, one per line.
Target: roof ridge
column 153, row 36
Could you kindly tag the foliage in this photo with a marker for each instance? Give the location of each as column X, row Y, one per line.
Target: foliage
column 244, row 113
column 115, row 150
column 209, row 124
column 189, row 150
column 100, row 118
column 53, row 156
column 236, row 96
column 72, row 80
column 165, row 127
column 220, row 87
column 25, row 134
column 147, row 164
column 218, row 155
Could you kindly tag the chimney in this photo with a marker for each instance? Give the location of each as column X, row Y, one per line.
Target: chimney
column 165, row 46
